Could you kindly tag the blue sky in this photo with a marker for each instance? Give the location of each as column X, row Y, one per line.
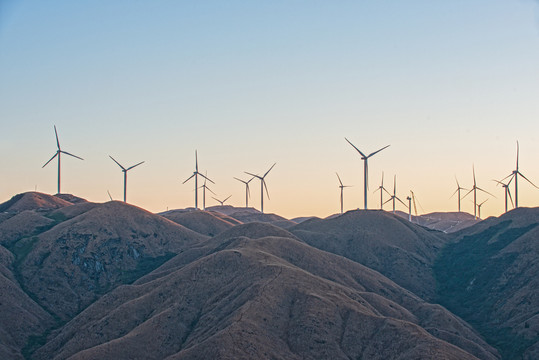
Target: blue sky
column 250, row 83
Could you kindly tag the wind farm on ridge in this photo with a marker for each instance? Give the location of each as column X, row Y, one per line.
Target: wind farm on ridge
column 393, row 197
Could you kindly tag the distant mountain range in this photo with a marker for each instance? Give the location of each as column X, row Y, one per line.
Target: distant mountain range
column 84, row 280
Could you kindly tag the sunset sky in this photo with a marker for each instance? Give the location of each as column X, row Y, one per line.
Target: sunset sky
column 448, row 84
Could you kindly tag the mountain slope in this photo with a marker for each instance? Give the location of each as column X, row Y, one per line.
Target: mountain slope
column 402, row 251
column 490, row 277
column 272, row 297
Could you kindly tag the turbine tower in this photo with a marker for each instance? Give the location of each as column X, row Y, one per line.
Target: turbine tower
column 204, row 187
column 382, row 189
column 514, row 175
column 195, row 175
column 124, row 170
column 507, row 193
column 247, row 191
column 58, row 153
column 365, row 158
column 458, row 191
column 474, row 189
column 342, row 191
column 222, row 202
column 262, row 186
column 409, row 208
column 394, row 196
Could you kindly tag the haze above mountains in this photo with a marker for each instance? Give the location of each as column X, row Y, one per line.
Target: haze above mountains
column 90, row 280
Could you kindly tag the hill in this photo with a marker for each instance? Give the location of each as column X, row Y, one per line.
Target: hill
column 271, row 297
column 84, row 255
column 490, row 276
column 247, row 215
column 402, row 251
column 208, row 223
column 33, row 201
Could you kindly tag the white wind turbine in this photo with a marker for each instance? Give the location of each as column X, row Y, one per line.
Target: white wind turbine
column 381, row 188
column 394, row 196
column 459, row 188
column 365, row 158
column 342, row 191
column 514, row 176
column 195, row 175
column 204, row 187
column 124, row 170
column 247, row 191
column 57, row 154
column 507, row 192
column 262, row 186
column 479, row 208
column 222, row 202
column 474, row 189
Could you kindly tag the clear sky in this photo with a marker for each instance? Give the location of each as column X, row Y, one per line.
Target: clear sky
column 248, row 83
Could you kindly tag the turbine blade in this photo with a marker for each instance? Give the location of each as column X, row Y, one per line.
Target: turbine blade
column 401, row 201
column 189, row 178
column 248, row 190
column 377, row 151
column 486, row 192
column 245, row 182
column 269, row 170
column 266, row 187
column 196, row 161
column 117, row 163
column 55, row 155
column 110, row 196
column 458, row 186
column 525, row 178
column 473, row 169
column 207, row 188
column 339, row 179
column 210, row 180
column 456, row 191
column 359, row 151
column 253, row 175
column 467, row 193
column 57, row 141
column 388, row 200
column 387, row 192
column 227, row 198
column 75, row 156
column 517, row 154
column 510, row 197
column 129, row 168
column 216, row 199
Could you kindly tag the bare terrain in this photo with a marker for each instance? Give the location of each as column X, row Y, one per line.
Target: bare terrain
column 82, row 280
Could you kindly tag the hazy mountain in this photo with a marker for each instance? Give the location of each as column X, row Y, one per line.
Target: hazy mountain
column 402, row 251
column 490, row 277
column 247, row 215
column 208, row 223
column 272, row 297
column 448, row 222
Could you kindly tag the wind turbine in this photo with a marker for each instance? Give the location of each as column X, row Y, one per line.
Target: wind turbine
column 195, row 175
column 507, row 192
column 365, row 158
column 514, row 175
column 342, row 191
column 204, row 187
column 381, row 187
column 474, row 189
column 222, row 202
column 394, row 196
column 58, row 153
column 124, row 170
column 479, row 208
column 458, row 191
column 262, row 186
column 247, row 191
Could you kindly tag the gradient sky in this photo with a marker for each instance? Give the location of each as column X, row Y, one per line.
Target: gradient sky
column 248, row 83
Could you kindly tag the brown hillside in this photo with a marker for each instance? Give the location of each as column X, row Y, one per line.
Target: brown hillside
column 247, row 215
column 72, row 264
column 262, row 299
column 20, row 316
column 23, row 224
column 203, row 222
column 490, row 277
column 400, row 250
column 33, row 201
